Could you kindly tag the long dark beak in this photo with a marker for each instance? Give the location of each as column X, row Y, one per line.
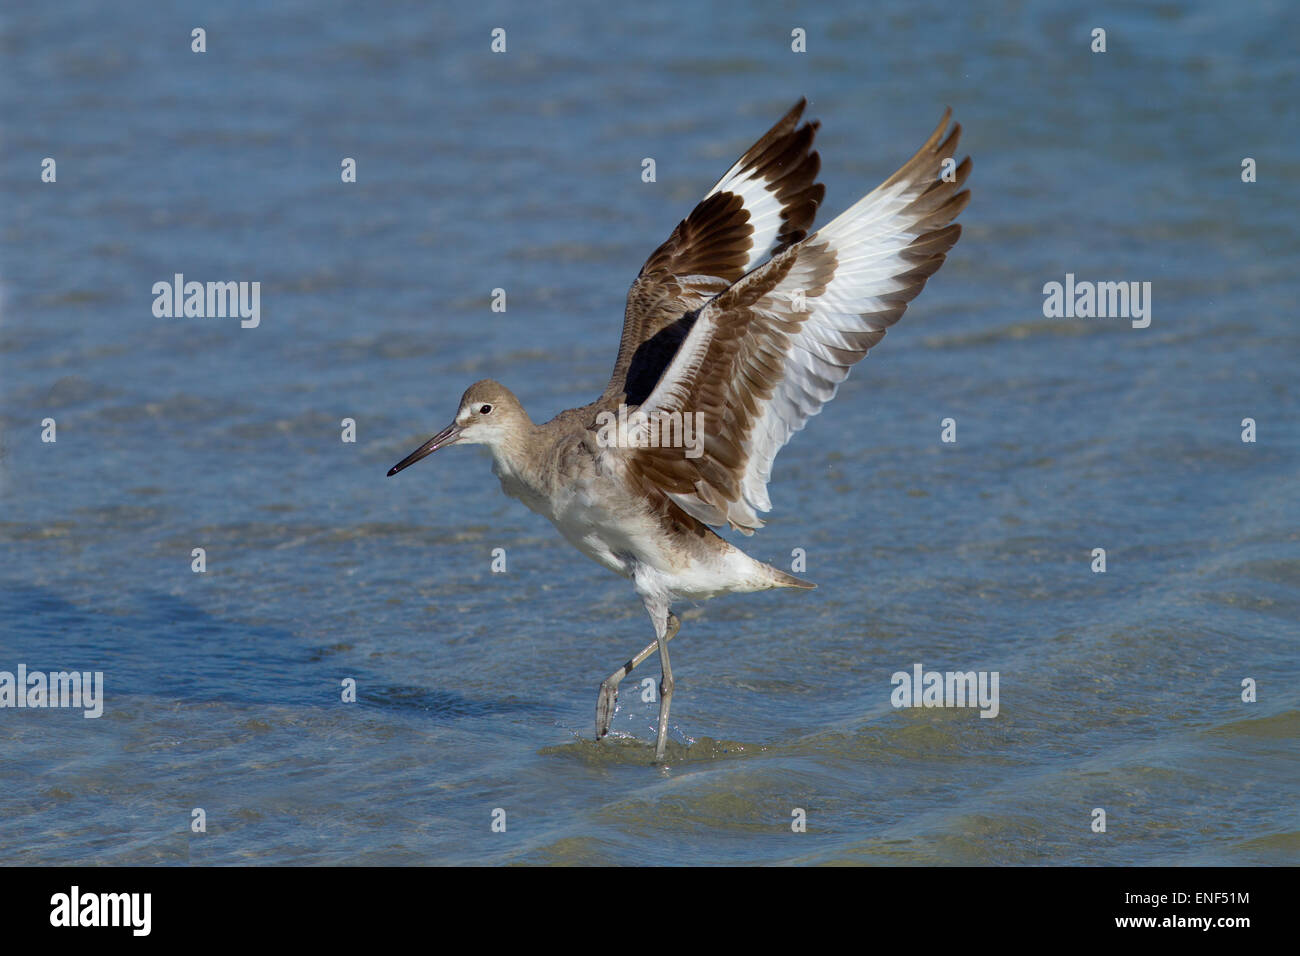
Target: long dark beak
column 447, row 436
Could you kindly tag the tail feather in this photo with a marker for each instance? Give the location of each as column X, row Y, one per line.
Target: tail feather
column 782, row 580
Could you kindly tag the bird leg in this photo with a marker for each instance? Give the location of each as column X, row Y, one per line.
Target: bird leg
column 665, row 694
column 609, row 689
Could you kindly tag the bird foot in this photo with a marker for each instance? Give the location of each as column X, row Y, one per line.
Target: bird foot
column 605, row 708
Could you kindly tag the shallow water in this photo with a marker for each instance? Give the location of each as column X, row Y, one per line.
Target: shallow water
column 476, row 690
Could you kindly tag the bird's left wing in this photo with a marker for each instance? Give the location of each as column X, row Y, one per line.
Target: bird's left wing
column 767, row 353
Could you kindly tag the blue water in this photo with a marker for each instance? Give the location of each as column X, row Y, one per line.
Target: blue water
column 522, row 171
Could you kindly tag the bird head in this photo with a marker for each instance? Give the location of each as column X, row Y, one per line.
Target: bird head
column 488, row 414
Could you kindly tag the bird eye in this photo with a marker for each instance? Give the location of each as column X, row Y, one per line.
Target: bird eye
column 485, row 410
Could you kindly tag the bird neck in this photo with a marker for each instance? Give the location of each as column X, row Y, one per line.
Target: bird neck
column 517, row 453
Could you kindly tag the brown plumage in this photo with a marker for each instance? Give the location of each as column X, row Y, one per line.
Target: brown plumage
column 713, row 247
column 733, row 374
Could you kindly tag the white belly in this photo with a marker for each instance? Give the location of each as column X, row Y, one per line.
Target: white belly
column 594, row 516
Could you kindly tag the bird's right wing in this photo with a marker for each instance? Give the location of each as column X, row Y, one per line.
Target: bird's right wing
column 764, row 203
column 766, row 354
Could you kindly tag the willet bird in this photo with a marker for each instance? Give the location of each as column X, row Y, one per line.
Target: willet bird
column 738, row 329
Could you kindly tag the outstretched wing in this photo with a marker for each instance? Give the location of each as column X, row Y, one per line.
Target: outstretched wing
column 764, row 203
column 766, row 355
